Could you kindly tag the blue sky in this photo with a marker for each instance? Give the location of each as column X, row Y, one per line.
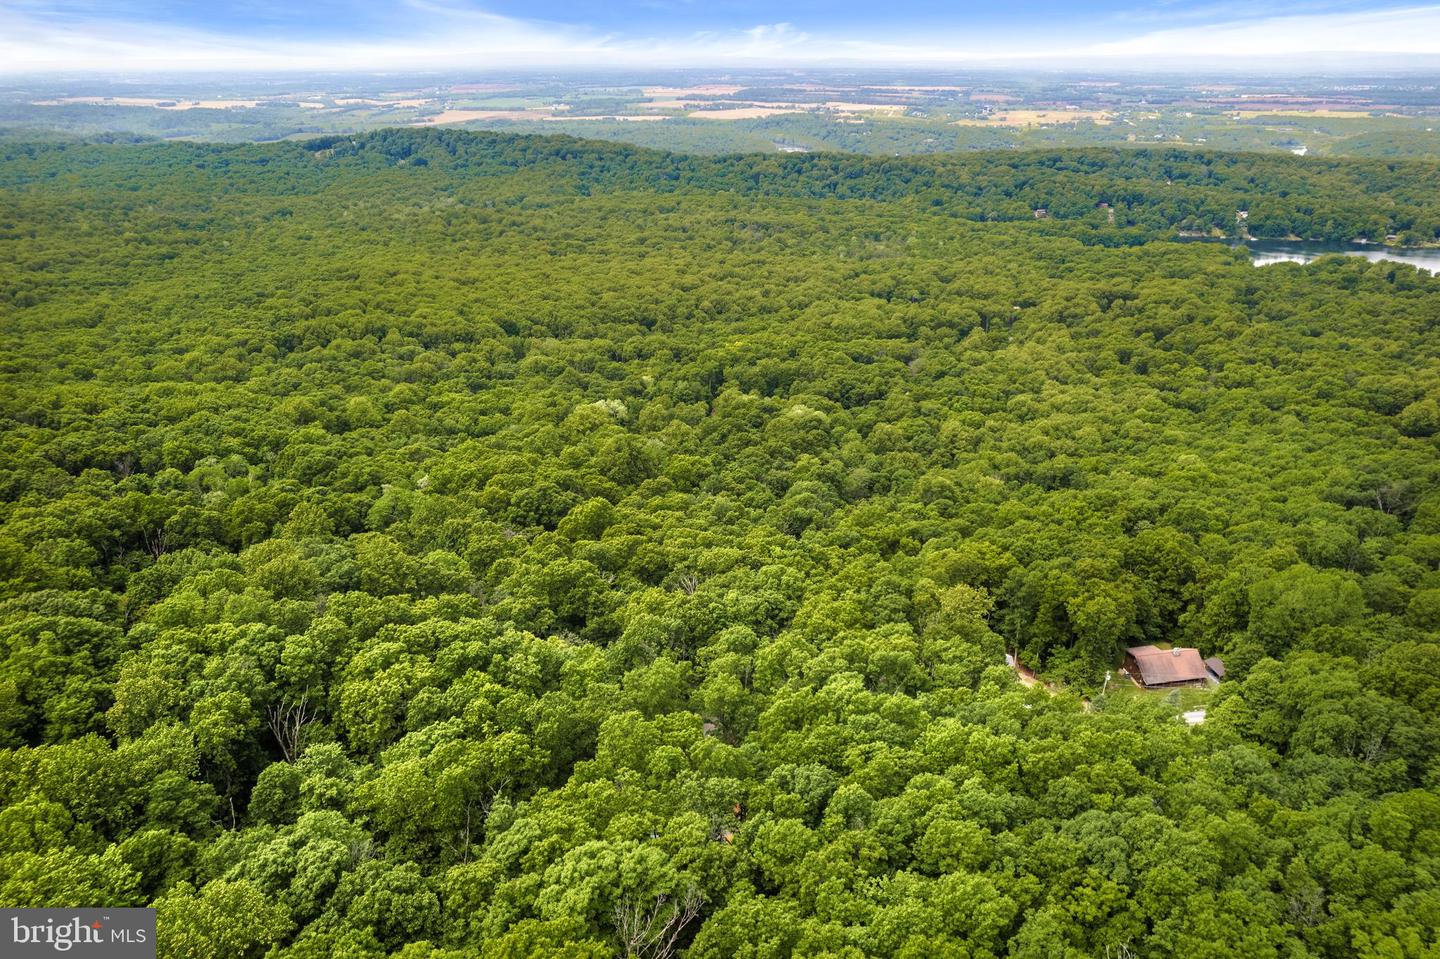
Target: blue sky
column 396, row 34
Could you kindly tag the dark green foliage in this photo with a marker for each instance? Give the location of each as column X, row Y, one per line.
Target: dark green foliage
column 567, row 549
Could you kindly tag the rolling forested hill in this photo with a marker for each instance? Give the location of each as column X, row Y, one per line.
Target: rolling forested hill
column 1125, row 196
column 443, row 545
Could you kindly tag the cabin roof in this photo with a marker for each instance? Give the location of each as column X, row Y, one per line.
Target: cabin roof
column 1159, row 667
column 1216, row 665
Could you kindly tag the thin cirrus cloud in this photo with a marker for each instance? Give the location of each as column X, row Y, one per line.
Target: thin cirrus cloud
column 82, row 35
column 434, row 36
column 1399, row 30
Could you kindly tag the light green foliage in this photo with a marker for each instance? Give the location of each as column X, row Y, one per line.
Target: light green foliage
column 223, row 919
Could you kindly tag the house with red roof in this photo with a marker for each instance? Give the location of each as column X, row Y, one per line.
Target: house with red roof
column 1153, row 667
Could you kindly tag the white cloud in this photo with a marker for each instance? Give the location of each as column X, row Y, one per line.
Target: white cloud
column 442, row 36
column 769, row 37
column 446, row 34
column 1405, row 30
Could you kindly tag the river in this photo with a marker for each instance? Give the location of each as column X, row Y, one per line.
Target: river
column 1265, row 252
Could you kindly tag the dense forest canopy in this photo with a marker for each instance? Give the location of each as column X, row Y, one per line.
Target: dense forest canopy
column 1123, row 195
column 438, row 545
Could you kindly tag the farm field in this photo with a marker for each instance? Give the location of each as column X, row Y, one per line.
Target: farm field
column 811, row 111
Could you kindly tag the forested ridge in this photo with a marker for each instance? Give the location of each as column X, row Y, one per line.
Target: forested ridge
column 446, row 545
column 1149, row 191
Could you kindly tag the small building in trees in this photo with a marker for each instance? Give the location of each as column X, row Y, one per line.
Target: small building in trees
column 1153, row 667
column 1215, row 666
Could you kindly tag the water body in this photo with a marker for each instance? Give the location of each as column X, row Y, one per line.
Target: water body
column 1266, row 252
